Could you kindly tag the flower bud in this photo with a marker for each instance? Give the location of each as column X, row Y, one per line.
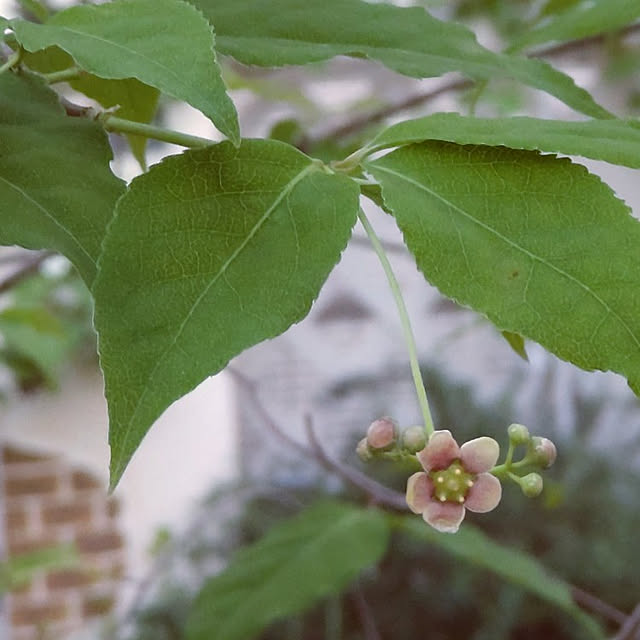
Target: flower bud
column 382, row 434
column 531, row 485
column 544, row 451
column 518, row 434
column 363, row 452
column 414, row 439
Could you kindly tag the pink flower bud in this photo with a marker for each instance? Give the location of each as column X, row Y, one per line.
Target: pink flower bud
column 382, row 434
column 544, row 450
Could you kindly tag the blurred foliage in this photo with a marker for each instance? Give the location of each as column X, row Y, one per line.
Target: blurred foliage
column 44, row 321
column 18, row 571
column 587, row 511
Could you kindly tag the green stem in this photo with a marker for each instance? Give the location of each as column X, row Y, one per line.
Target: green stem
column 404, row 319
column 120, row 125
column 62, row 76
column 505, row 470
column 12, row 61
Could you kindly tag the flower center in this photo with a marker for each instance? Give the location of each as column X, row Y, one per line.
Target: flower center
column 452, row 484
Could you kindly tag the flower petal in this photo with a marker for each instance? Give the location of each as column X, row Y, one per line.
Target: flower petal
column 440, row 452
column 419, row 490
column 485, row 494
column 479, row 455
column 444, row 516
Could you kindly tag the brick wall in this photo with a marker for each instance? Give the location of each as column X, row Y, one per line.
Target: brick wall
column 46, row 503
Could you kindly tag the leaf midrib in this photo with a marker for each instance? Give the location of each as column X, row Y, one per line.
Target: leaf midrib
column 253, row 603
column 516, row 246
column 287, row 189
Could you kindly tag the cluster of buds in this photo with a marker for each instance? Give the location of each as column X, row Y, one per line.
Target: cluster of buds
column 540, row 454
column 385, row 440
column 455, row 478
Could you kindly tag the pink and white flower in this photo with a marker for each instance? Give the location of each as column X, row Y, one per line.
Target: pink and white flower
column 454, row 479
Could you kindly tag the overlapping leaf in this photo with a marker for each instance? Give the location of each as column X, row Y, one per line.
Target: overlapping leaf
column 298, row 562
column 582, row 20
column 273, row 33
column 614, row 141
column 135, row 101
column 536, row 243
column 209, row 253
column 56, row 188
column 166, row 44
column 472, row 546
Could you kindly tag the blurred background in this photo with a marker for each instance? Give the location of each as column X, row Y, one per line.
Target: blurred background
column 82, row 564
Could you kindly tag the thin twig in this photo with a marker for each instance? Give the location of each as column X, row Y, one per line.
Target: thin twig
column 369, row 629
column 274, row 427
column 26, row 269
column 355, row 125
column 378, row 493
column 591, row 602
column 630, row 627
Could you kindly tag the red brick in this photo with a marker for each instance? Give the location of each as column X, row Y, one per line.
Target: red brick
column 16, row 518
column 82, row 480
column 97, row 606
column 36, row 484
column 21, row 544
column 70, row 578
column 35, row 614
column 11, row 455
column 97, row 542
column 67, row 513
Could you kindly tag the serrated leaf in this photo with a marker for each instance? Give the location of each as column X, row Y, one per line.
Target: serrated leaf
column 163, row 43
column 472, row 546
column 614, row 141
column 273, row 33
column 536, row 243
column 135, row 101
column 316, row 554
column 56, row 188
column 587, row 18
column 210, row 252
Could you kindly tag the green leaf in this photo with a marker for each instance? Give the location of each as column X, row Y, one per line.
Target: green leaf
column 38, row 10
column 614, row 141
column 516, row 342
column 210, row 252
column 536, row 243
column 163, row 43
column 38, row 335
column 19, row 570
column 273, row 33
column 587, row 18
column 56, row 188
column 316, row 554
column 136, row 101
column 514, row 565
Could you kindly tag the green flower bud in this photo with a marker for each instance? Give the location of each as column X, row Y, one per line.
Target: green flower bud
column 544, row 451
column 518, row 434
column 531, row 485
column 363, row 452
column 382, row 434
column 414, row 439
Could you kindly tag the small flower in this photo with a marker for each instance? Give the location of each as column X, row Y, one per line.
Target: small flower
column 454, row 479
